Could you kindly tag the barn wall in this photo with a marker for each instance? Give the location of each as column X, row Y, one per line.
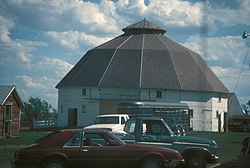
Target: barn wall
column 206, row 106
column 87, row 106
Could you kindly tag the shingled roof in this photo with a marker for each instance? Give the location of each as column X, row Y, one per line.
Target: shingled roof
column 143, row 57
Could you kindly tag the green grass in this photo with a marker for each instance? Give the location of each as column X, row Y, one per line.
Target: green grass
column 9, row 145
column 229, row 143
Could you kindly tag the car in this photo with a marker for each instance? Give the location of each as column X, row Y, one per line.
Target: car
column 93, row 148
column 196, row 151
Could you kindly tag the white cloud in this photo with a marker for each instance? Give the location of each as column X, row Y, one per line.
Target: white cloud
column 53, row 67
column 223, row 51
column 176, row 13
column 29, row 82
column 6, row 24
column 75, row 40
column 231, row 16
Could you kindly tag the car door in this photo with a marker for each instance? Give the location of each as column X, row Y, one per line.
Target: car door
column 101, row 149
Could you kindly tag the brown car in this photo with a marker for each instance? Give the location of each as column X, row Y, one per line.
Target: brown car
column 93, row 148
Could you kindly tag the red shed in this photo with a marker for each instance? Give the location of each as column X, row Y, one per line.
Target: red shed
column 10, row 111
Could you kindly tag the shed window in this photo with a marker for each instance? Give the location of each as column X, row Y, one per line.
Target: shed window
column 7, row 115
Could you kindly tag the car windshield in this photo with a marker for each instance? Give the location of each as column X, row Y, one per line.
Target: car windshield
column 107, row 120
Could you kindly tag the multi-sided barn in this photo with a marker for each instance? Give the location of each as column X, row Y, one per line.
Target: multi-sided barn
column 142, row 65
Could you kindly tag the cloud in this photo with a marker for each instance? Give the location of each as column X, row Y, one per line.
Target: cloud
column 29, row 82
column 226, row 51
column 75, row 40
column 53, row 67
column 230, row 16
column 6, row 24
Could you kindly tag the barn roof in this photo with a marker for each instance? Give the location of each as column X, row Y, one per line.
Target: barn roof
column 143, row 57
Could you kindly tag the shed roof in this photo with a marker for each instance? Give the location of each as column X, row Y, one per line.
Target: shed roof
column 6, row 91
column 143, row 57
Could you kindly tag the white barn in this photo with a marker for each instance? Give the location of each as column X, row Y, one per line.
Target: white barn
column 141, row 65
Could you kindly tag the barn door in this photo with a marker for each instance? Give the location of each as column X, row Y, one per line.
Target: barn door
column 207, row 120
column 72, row 117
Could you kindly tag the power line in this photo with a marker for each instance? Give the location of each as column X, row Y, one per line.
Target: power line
column 241, row 70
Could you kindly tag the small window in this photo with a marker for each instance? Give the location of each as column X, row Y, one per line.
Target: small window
column 219, row 101
column 158, row 94
column 191, row 113
column 123, row 120
column 8, row 112
column 84, row 92
column 61, row 109
column 83, row 108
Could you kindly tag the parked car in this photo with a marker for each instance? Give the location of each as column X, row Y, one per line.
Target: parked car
column 112, row 122
column 93, row 148
column 196, row 151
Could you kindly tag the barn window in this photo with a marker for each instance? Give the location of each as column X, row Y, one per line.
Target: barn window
column 83, row 108
column 61, row 109
column 219, row 101
column 158, row 94
column 84, row 92
column 191, row 113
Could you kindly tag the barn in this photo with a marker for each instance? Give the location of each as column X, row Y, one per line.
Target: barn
column 142, row 64
column 10, row 111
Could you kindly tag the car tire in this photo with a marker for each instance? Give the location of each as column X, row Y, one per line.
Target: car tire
column 151, row 162
column 53, row 163
column 196, row 162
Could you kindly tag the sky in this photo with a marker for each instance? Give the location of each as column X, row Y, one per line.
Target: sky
column 41, row 40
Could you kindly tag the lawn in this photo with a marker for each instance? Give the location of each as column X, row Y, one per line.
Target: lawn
column 8, row 146
column 229, row 143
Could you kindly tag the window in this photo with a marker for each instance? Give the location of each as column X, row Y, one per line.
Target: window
column 84, row 92
column 130, row 127
column 7, row 115
column 74, row 141
column 83, row 108
column 158, row 94
column 61, row 109
column 219, row 101
column 191, row 113
column 99, row 139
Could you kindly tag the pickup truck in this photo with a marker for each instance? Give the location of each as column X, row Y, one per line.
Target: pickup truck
column 196, row 151
column 112, row 122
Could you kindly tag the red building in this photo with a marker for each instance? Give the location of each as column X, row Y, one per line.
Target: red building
column 10, row 111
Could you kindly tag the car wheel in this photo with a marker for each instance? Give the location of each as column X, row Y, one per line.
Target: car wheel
column 196, row 162
column 151, row 163
column 53, row 163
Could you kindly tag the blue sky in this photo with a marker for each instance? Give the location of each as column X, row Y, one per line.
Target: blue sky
column 40, row 41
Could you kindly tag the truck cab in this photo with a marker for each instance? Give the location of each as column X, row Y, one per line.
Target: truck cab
column 112, row 122
column 196, row 151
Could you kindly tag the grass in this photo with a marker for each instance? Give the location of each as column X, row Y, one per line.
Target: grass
column 230, row 143
column 9, row 145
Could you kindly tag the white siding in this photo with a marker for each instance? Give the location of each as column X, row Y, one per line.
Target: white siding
column 206, row 105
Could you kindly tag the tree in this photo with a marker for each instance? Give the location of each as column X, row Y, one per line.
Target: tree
column 36, row 109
